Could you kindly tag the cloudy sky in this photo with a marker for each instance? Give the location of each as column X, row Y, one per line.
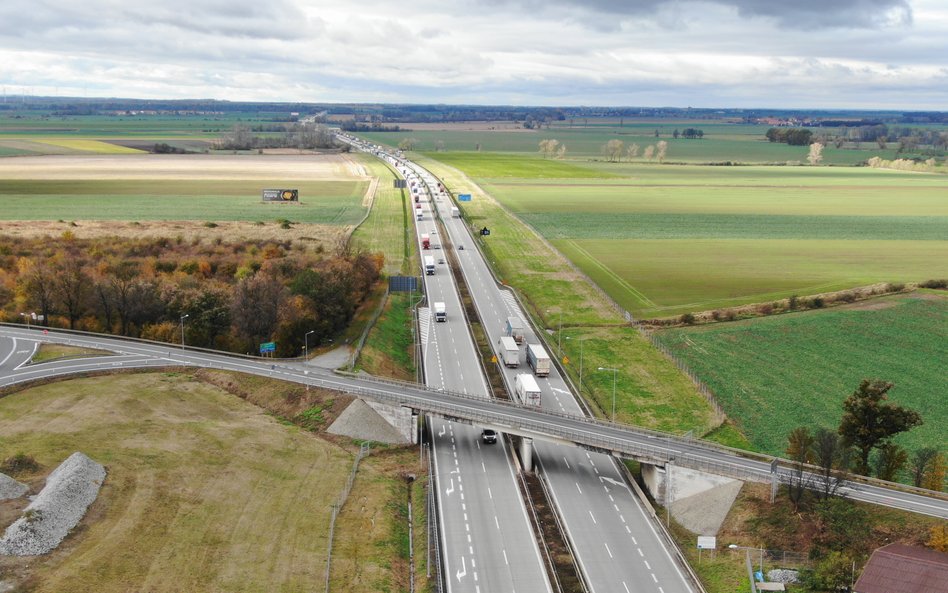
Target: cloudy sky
column 702, row 53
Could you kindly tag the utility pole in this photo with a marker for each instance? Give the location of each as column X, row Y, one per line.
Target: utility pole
column 183, row 317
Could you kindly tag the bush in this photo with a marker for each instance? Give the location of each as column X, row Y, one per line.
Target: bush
column 934, row 284
column 716, row 315
column 687, row 319
column 211, row 225
column 765, row 308
column 793, row 302
column 21, row 463
column 817, row 303
column 895, row 287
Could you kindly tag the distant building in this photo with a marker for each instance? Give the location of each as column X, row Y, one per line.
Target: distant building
column 898, row 568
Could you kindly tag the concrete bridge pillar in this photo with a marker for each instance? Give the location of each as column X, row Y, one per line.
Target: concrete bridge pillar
column 526, row 454
column 416, row 424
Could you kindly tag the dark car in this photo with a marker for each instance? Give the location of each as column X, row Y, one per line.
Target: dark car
column 489, row 436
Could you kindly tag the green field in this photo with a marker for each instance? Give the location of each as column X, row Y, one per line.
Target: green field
column 721, row 143
column 664, row 240
column 774, row 374
column 326, row 202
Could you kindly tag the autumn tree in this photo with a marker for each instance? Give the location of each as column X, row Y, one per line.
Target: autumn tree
column 37, row 285
column 613, row 149
column 649, row 151
column 255, row 307
column 935, row 474
column 869, row 421
column 661, row 150
column 816, row 154
column 938, row 537
column 632, row 151
column 890, row 459
column 72, row 286
column 921, row 461
column 548, row 147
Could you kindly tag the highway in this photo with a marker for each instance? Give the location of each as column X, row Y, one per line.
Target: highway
column 614, row 543
column 488, row 543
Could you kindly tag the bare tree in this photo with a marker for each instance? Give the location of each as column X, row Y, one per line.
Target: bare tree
column 833, row 459
column 632, row 151
column 408, row 144
column 800, row 451
column 649, row 151
column 921, row 460
column 38, row 286
column 561, row 151
column 256, row 305
column 72, row 287
column 548, row 147
column 439, row 146
column 816, row 153
column 613, row 149
column 661, row 150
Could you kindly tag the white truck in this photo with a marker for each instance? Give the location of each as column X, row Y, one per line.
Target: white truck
column 538, row 359
column 455, row 212
column 509, row 352
column 515, row 329
column 419, row 215
column 527, row 390
column 429, row 265
column 440, row 312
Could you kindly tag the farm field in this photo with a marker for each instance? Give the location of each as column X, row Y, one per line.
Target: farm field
column 776, row 373
column 721, row 143
column 665, row 240
column 172, row 187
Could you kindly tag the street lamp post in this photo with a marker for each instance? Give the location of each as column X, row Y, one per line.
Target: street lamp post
column 27, row 315
column 183, row 317
column 749, row 549
column 306, row 344
column 614, row 371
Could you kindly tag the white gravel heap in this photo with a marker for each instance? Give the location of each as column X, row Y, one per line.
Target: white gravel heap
column 59, row 507
column 783, row 575
column 10, row 488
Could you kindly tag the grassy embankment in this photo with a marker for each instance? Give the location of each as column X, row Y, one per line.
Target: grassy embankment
column 388, row 349
column 54, row 351
column 204, row 491
column 774, row 374
column 650, row 391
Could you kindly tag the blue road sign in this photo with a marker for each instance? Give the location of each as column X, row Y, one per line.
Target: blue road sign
column 268, row 347
column 464, row 197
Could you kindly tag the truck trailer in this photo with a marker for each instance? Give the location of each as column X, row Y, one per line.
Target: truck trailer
column 509, row 351
column 538, row 359
column 527, row 390
column 425, row 241
column 429, row 265
column 455, row 212
column 515, row 329
column 440, row 312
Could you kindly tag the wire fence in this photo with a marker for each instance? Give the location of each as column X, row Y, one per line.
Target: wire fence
column 337, row 506
column 701, row 386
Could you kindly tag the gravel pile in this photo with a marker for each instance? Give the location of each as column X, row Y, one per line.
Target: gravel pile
column 782, row 575
column 69, row 491
column 10, row 488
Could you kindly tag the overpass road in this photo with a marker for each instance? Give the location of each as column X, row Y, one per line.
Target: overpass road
column 563, row 428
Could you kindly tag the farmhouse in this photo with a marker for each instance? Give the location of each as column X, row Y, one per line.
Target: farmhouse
column 897, row 568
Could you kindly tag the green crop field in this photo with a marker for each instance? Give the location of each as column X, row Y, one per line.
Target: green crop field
column 663, row 240
column 774, row 374
column 327, row 202
column 721, row 143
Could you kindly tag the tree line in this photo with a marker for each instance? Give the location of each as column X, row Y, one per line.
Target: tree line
column 615, row 149
column 302, row 136
column 226, row 296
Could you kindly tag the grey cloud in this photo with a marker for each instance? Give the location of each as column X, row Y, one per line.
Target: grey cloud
column 794, row 14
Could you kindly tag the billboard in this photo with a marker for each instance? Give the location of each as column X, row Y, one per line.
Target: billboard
column 281, row 195
column 464, row 197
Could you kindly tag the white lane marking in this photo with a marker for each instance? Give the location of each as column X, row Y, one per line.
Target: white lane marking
column 634, row 541
column 627, row 587
column 450, row 489
column 12, row 352
column 593, row 518
column 462, row 572
column 607, row 549
column 496, row 522
column 484, row 468
column 654, row 578
column 490, row 494
column 505, row 557
column 640, row 552
column 578, row 488
column 647, row 564
column 627, row 530
column 567, row 463
column 613, row 482
column 622, row 517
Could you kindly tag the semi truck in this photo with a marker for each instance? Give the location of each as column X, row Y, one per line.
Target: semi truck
column 429, row 265
column 425, row 241
column 509, row 351
column 455, row 212
column 527, row 390
column 515, row 329
column 538, row 359
column 440, row 312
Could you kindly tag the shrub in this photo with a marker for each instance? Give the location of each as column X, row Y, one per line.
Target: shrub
column 895, row 287
column 935, row 284
column 793, row 302
column 210, row 225
column 817, row 303
column 687, row 318
column 765, row 308
column 21, row 463
column 716, row 315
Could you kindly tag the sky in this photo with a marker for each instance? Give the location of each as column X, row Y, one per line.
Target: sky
column 852, row 54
